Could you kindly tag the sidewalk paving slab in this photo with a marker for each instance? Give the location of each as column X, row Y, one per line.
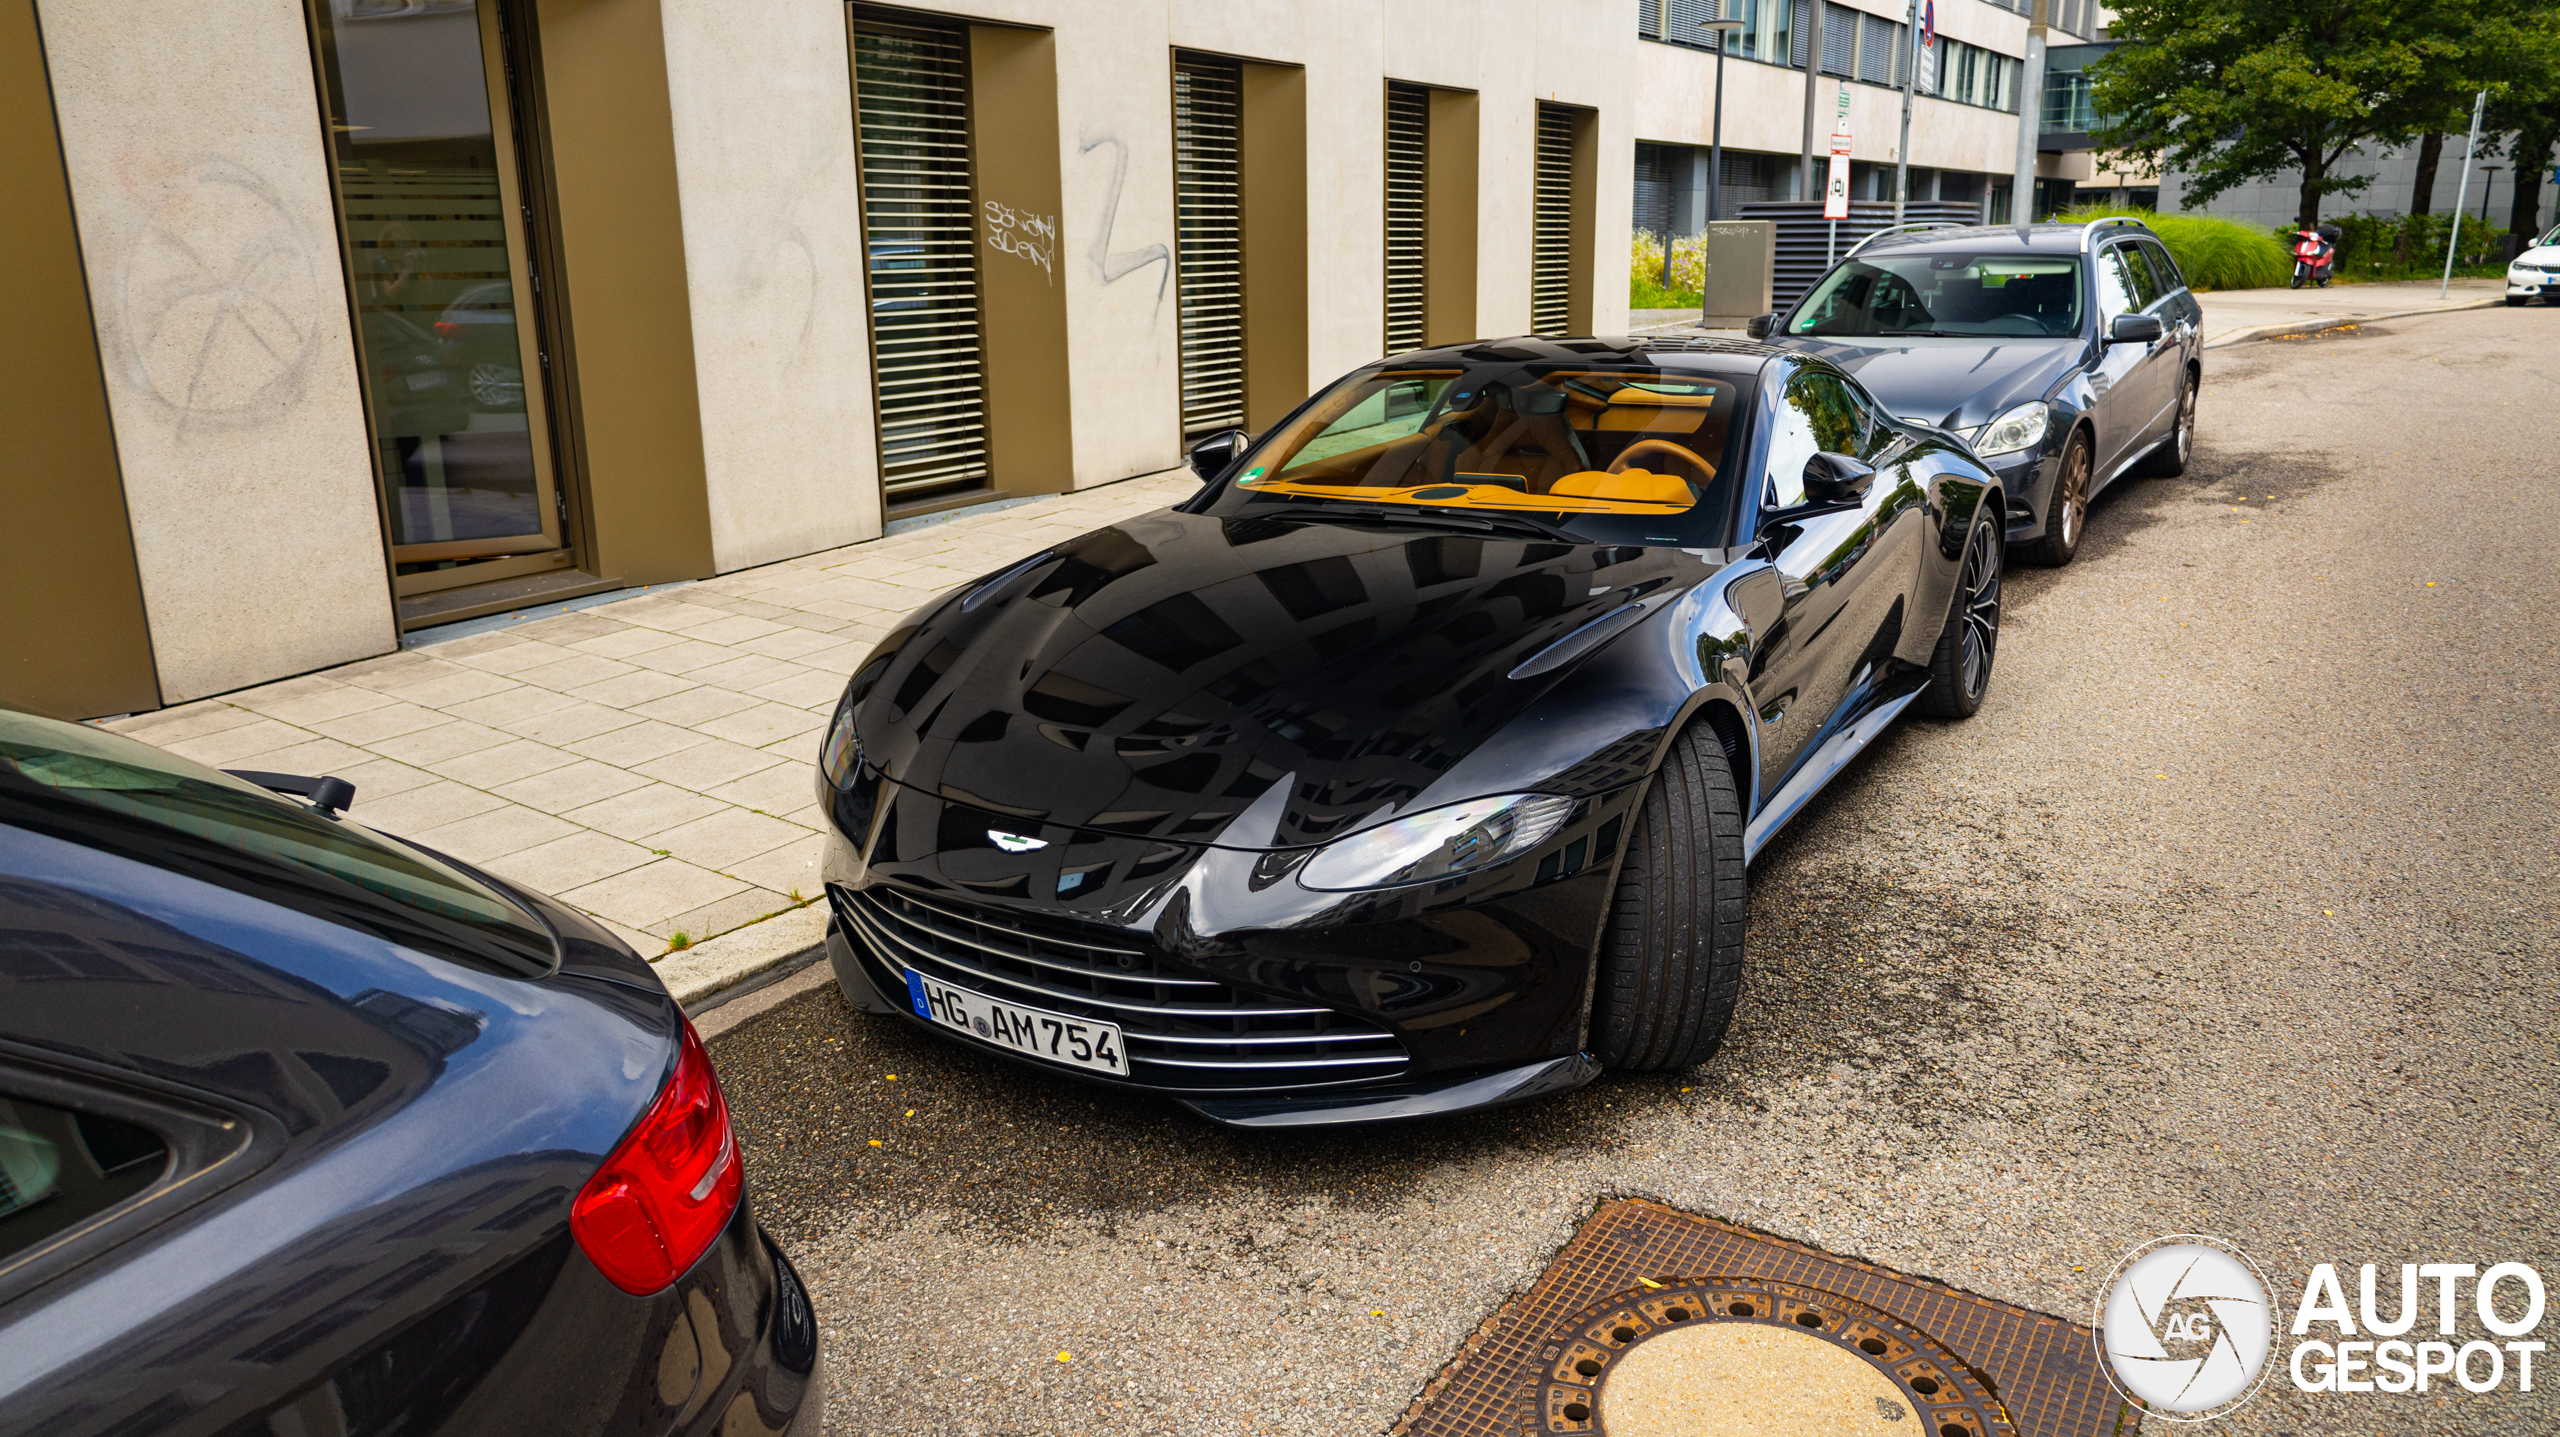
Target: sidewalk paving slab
column 650, row 759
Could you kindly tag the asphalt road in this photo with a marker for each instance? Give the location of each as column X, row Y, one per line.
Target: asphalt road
column 2230, row 913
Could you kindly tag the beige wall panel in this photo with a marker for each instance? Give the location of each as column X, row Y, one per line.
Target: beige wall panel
column 1274, row 165
column 1013, row 87
column 634, row 400
column 191, row 134
column 76, row 643
column 772, row 209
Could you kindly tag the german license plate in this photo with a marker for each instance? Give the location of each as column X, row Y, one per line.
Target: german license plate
column 1076, row 1042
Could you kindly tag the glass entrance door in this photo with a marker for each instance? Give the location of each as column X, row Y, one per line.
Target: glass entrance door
column 433, row 222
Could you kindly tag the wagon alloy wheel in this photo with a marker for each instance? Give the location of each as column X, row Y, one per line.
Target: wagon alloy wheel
column 1960, row 666
column 2068, row 513
column 2170, row 459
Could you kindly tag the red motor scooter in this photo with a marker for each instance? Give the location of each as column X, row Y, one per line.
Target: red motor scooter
column 2315, row 255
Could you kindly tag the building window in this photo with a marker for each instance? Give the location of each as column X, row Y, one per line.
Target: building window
column 1408, row 194
column 911, row 105
column 1208, row 241
column 432, row 215
column 1971, row 75
column 1551, row 241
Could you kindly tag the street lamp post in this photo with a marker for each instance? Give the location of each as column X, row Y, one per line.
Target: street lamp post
column 2488, row 182
column 1722, row 29
column 1715, row 145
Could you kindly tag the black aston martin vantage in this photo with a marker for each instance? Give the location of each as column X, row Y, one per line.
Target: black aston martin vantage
column 1415, row 764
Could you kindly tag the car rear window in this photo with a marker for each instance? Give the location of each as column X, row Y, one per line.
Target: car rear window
column 59, row 1168
column 2028, row 296
column 108, row 791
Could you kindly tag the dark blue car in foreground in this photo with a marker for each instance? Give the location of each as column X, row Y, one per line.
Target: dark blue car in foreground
column 308, row 1132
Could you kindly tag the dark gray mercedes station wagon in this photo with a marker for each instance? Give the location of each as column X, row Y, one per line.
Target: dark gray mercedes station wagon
column 2067, row 356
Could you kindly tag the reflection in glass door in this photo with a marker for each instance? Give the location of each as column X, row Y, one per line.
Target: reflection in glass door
column 433, row 221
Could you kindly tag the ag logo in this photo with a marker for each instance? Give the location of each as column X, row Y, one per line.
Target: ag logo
column 2186, row 1324
column 1014, row 842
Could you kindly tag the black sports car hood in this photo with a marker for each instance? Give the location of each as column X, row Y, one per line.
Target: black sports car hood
column 1156, row 677
column 1951, row 383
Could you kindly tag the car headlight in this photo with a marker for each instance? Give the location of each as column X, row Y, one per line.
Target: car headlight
column 843, row 753
column 1439, row 843
column 2020, row 428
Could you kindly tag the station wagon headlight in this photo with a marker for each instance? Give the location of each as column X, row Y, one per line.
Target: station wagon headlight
column 1439, row 843
column 2020, row 428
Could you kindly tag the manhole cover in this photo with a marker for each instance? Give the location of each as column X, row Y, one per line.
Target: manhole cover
column 1798, row 1361
column 1730, row 1357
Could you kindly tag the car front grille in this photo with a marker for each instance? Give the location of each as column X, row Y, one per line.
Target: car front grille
column 1182, row 1032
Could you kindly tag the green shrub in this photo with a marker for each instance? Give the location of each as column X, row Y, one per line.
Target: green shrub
column 2211, row 253
column 1645, row 289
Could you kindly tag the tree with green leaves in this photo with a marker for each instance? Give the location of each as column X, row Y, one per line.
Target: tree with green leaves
column 2525, row 107
column 2230, row 91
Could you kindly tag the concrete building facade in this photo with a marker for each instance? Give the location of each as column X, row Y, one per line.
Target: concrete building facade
column 343, row 319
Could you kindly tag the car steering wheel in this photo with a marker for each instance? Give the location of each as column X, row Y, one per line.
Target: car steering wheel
column 1660, row 449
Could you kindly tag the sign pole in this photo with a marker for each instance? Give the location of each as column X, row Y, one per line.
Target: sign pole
column 2022, row 186
column 2463, row 196
column 1910, row 75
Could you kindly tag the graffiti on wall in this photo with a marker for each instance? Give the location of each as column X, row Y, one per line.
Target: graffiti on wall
column 1032, row 237
column 1110, row 265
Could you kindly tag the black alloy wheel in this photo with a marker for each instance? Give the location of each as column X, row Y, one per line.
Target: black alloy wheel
column 1960, row 667
column 1671, row 962
column 2170, row 459
column 2067, row 513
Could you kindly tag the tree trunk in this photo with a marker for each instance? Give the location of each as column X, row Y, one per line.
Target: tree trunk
column 2422, row 188
column 2532, row 160
column 2313, row 172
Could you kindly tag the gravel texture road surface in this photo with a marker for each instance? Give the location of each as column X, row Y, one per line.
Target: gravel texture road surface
column 2232, row 912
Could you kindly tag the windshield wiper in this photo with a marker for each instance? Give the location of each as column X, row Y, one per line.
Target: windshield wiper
column 1479, row 519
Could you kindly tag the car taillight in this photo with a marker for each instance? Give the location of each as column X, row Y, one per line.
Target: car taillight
column 669, row 1187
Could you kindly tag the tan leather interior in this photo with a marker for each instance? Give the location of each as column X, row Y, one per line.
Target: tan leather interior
column 1661, row 456
column 1636, row 485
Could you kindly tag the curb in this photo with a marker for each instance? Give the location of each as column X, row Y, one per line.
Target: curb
column 701, row 975
column 2269, row 331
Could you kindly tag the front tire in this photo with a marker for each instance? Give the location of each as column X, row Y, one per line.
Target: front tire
column 1671, row 961
column 2516, row 300
column 1960, row 666
column 2067, row 513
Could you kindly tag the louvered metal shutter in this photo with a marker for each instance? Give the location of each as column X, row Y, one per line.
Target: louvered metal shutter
column 1551, row 244
column 1408, row 174
column 911, row 101
column 1209, row 240
column 1839, row 38
column 1655, row 188
column 1876, row 46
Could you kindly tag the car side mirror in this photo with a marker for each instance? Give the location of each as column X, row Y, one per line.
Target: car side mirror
column 1836, row 479
column 1761, row 326
column 1211, row 455
column 2134, row 329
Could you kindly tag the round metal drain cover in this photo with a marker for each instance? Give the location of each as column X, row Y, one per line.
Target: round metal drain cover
column 1718, row 1356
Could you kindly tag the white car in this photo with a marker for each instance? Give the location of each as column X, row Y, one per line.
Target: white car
column 2536, row 271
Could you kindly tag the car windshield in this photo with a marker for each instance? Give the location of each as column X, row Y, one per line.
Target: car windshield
column 1596, row 455
column 1945, row 294
column 108, row 791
